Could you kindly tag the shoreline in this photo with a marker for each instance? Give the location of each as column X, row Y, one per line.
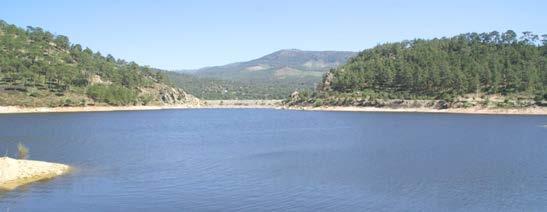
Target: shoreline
column 30, row 110
column 275, row 105
column 24, row 110
column 473, row 110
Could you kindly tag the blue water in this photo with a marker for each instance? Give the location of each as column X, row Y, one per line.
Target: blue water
column 264, row 160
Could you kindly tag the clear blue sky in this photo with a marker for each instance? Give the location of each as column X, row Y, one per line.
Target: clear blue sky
column 192, row 34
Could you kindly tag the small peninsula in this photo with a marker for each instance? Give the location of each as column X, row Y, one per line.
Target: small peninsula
column 14, row 173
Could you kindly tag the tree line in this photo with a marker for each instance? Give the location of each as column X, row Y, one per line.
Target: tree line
column 442, row 68
column 218, row 89
column 36, row 61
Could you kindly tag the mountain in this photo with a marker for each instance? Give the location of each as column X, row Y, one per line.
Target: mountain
column 283, row 64
column 38, row 68
column 273, row 76
column 462, row 69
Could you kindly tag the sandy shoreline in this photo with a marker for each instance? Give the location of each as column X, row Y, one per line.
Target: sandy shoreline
column 274, row 105
column 210, row 104
column 17, row 109
column 14, row 173
column 485, row 111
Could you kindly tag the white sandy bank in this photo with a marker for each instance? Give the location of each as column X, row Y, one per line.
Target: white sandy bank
column 472, row 110
column 276, row 104
column 14, row 172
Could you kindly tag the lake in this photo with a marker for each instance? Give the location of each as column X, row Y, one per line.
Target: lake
column 264, row 160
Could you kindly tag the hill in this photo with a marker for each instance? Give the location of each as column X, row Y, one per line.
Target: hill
column 38, row 68
column 283, row 64
column 273, row 76
column 219, row 89
column 463, row 70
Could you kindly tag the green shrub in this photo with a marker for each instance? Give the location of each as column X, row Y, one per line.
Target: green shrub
column 83, row 102
column 112, row 94
column 318, row 103
column 539, row 96
column 447, row 97
column 467, row 104
column 146, row 99
column 34, row 94
column 67, row 102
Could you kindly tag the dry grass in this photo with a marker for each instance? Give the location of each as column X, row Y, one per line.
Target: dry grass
column 22, row 151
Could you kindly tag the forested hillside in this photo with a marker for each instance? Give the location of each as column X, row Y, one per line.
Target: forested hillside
column 38, row 68
column 218, row 89
column 485, row 64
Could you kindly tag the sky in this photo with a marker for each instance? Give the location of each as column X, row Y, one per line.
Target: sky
column 178, row 34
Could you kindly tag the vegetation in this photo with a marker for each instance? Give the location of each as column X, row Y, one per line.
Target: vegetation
column 113, row 94
column 444, row 69
column 216, row 89
column 38, row 68
column 22, row 151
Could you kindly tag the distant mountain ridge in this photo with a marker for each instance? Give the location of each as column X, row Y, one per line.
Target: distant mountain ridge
column 273, row 76
column 287, row 63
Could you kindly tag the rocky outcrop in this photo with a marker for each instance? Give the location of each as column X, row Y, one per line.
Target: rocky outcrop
column 172, row 95
column 295, row 96
column 96, row 79
column 167, row 95
column 325, row 84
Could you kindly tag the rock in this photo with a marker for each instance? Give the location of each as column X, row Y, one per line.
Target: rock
column 295, row 95
column 167, row 95
column 441, row 104
column 326, row 83
column 96, row 79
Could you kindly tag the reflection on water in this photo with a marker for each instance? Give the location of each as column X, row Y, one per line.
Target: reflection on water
column 256, row 160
